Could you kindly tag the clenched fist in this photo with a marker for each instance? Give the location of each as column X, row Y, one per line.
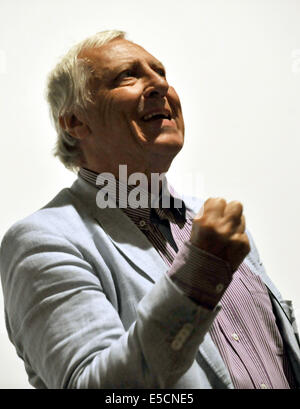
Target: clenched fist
column 219, row 229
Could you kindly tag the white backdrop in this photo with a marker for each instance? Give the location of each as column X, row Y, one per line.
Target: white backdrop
column 236, row 66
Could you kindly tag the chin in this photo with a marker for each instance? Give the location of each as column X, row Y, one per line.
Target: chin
column 169, row 142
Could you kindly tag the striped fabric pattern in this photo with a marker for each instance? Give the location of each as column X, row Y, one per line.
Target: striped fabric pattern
column 245, row 330
column 141, row 217
column 246, row 327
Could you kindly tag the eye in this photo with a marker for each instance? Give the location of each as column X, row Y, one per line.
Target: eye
column 161, row 72
column 126, row 74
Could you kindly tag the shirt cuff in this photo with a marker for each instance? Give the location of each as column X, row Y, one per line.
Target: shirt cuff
column 202, row 276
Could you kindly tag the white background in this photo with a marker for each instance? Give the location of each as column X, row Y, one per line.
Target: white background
column 235, row 65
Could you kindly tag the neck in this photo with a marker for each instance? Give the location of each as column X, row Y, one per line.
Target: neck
column 124, row 169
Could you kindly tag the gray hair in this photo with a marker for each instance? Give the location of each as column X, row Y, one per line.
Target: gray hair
column 68, row 88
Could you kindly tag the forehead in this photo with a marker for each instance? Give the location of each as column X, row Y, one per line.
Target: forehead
column 116, row 53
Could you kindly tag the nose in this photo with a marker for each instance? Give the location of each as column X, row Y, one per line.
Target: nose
column 156, row 85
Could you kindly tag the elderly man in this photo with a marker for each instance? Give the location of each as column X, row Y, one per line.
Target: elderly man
column 137, row 297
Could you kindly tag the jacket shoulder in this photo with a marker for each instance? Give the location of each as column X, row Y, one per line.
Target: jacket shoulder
column 52, row 217
column 61, row 217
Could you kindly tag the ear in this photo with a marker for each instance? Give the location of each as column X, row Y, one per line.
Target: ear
column 74, row 126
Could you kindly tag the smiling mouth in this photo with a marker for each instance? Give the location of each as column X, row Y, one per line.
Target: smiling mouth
column 155, row 116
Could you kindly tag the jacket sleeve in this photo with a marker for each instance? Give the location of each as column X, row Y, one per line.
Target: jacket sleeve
column 69, row 334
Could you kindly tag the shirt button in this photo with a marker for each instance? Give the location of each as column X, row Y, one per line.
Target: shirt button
column 176, row 345
column 235, row 336
column 182, row 336
column 142, row 223
column 187, row 329
column 263, row 386
column 219, row 288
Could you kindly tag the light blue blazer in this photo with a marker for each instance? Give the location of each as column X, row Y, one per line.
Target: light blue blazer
column 88, row 303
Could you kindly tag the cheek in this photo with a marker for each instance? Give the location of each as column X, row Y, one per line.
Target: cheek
column 105, row 110
column 137, row 132
column 116, row 105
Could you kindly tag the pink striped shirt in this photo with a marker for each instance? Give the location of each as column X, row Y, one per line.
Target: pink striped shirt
column 245, row 330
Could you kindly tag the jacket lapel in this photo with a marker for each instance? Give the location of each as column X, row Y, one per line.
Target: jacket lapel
column 123, row 233
column 288, row 335
column 131, row 242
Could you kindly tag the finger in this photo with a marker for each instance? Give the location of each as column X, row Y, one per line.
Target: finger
column 215, row 206
column 242, row 226
column 238, row 250
column 233, row 210
column 235, row 225
column 240, row 242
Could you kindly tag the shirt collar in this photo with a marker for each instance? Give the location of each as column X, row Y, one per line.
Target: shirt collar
column 168, row 205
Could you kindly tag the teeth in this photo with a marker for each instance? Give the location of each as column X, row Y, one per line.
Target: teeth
column 146, row 117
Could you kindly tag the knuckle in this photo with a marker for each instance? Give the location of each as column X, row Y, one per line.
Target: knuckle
column 245, row 245
column 237, row 207
column 237, row 204
column 224, row 230
column 235, row 239
column 208, row 230
column 239, row 239
column 215, row 200
column 220, row 200
column 205, row 221
column 208, row 201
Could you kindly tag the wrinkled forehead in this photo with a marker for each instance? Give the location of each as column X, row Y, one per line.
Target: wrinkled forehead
column 116, row 53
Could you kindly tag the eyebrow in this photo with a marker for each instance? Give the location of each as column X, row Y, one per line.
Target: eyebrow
column 136, row 63
column 106, row 71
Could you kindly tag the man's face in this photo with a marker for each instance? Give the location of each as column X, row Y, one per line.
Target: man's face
column 136, row 118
